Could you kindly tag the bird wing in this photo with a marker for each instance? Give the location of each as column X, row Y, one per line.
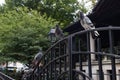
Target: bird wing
column 88, row 22
column 85, row 23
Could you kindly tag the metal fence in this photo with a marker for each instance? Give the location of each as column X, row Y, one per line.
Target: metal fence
column 72, row 58
column 5, row 77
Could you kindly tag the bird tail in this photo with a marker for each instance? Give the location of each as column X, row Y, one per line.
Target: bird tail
column 95, row 34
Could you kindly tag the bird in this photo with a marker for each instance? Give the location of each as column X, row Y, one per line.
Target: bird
column 38, row 57
column 58, row 32
column 88, row 25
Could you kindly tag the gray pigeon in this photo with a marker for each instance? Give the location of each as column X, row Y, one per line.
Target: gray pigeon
column 59, row 33
column 38, row 56
column 87, row 25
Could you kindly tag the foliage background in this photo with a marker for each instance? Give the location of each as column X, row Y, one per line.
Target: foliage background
column 25, row 25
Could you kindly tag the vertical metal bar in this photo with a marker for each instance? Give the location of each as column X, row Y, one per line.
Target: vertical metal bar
column 70, row 57
column 65, row 66
column 43, row 70
column 112, row 58
column 60, row 58
column 48, row 67
column 101, row 74
column 75, row 57
column 47, row 72
column 54, row 64
column 32, row 76
column 39, row 77
column 43, row 74
column 80, row 56
column 51, row 65
column 44, row 63
column 89, row 55
column 65, row 61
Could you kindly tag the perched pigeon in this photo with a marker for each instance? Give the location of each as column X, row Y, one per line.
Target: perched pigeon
column 59, row 32
column 37, row 57
column 87, row 25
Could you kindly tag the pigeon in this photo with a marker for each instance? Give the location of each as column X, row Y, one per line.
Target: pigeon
column 87, row 25
column 58, row 32
column 38, row 57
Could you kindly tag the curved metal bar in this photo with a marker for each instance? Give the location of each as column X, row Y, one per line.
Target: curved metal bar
column 79, row 72
column 53, row 61
column 82, row 32
column 83, row 73
column 61, row 75
column 5, row 77
column 85, row 31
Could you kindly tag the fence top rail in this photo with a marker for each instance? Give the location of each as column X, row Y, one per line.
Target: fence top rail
column 107, row 28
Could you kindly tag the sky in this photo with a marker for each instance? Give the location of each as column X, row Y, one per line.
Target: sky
column 2, row 2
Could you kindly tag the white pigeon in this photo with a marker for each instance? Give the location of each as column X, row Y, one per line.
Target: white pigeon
column 87, row 25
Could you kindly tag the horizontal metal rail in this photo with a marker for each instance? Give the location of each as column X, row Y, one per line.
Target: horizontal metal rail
column 98, row 53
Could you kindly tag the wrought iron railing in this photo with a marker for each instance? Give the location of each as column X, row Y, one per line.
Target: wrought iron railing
column 72, row 59
column 5, row 77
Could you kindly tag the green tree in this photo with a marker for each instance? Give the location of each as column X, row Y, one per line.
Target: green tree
column 61, row 10
column 24, row 24
column 23, row 32
column 93, row 2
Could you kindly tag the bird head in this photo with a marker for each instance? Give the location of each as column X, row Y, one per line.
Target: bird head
column 58, row 30
column 81, row 15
